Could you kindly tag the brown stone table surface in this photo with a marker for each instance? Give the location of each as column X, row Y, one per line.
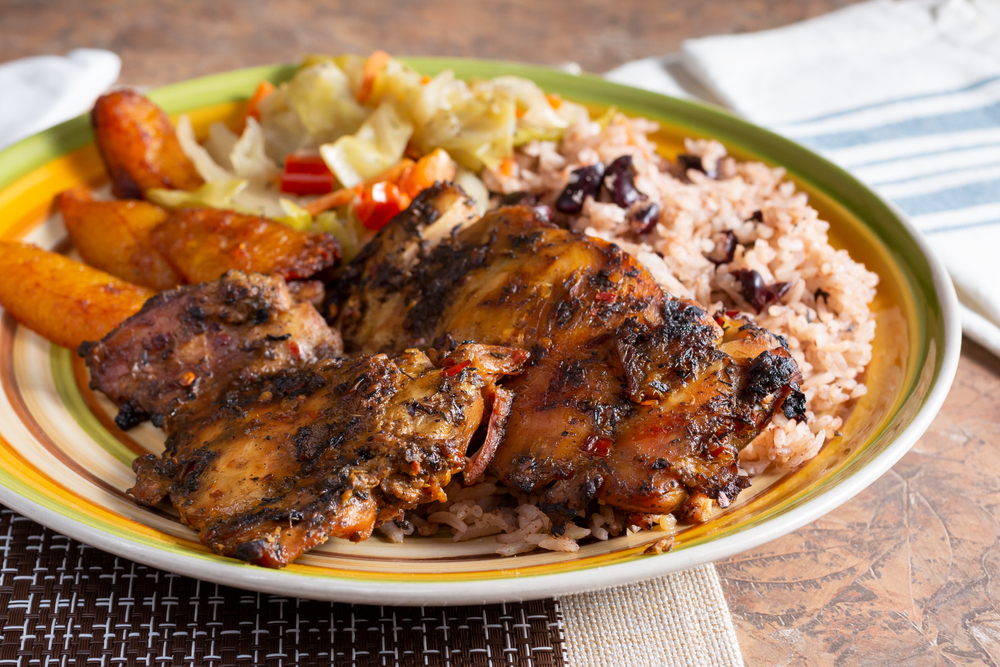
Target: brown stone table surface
column 908, row 572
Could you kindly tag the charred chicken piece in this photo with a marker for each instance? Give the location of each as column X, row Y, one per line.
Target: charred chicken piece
column 334, row 449
column 139, row 146
column 632, row 397
column 700, row 399
column 378, row 281
column 178, row 354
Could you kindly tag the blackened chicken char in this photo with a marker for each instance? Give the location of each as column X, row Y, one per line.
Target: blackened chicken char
column 174, row 357
column 632, row 397
column 333, row 450
column 275, row 445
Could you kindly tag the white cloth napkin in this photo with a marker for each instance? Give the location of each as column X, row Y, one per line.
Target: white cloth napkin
column 43, row 91
column 905, row 95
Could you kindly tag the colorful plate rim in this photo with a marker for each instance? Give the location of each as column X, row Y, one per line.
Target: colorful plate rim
column 938, row 339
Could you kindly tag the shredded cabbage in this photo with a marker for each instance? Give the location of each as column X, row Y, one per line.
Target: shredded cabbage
column 479, row 125
column 295, row 216
column 354, row 67
column 538, row 120
column 321, row 96
column 215, row 194
column 397, row 82
column 242, row 155
column 257, row 195
column 476, row 127
column 247, row 156
column 220, row 144
column 473, row 187
column 284, row 132
column 203, row 162
column 350, row 233
column 378, row 145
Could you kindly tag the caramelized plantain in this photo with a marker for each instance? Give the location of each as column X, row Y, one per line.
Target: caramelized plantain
column 64, row 301
column 203, row 243
column 139, row 146
column 114, row 236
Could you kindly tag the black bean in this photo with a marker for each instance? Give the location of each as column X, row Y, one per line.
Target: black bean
column 755, row 292
column 619, row 181
column 645, row 219
column 583, row 182
column 758, row 216
column 686, row 161
column 725, row 248
column 518, row 199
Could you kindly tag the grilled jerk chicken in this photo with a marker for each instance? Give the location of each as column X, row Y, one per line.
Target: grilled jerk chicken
column 633, row 397
column 333, row 450
column 274, row 445
column 175, row 356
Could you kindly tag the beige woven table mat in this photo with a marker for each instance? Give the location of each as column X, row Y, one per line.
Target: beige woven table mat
column 64, row 603
column 678, row 620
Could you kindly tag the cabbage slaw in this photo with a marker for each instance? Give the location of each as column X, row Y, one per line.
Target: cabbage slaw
column 372, row 120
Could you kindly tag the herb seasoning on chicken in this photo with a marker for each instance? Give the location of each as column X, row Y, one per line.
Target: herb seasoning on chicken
column 273, row 447
column 632, row 397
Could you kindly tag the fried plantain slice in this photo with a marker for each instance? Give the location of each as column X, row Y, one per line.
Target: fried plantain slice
column 139, row 146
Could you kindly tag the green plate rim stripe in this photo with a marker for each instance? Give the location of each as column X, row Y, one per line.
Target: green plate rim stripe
column 60, row 360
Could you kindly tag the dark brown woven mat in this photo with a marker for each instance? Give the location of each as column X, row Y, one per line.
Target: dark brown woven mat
column 64, row 603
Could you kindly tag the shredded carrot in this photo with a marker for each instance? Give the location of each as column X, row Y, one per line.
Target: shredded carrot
column 344, row 196
column 431, row 168
column 519, row 112
column 424, row 80
column 264, row 88
column 393, row 173
column 507, row 166
column 373, row 66
column 334, row 199
column 554, row 100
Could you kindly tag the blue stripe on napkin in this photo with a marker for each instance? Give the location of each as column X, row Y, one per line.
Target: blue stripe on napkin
column 929, row 201
column 914, row 156
column 955, row 228
column 974, row 194
column 970, row 119
column 884, row 103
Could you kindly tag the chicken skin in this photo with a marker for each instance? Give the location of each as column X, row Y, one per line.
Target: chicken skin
column 632, row 397
column 333, row 450
column 175, row 356
column 584, row 379
column 275, row 442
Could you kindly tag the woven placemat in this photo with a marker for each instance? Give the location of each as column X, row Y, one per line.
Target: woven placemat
column 64, row 603
column 681, row 620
